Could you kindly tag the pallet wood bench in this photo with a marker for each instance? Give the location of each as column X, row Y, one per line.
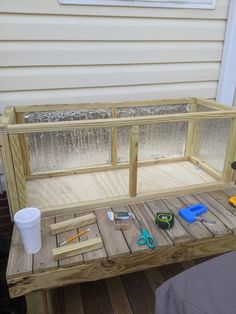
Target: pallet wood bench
column 34, row 275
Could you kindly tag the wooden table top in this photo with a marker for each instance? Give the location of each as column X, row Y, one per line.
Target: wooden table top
column 122, row 244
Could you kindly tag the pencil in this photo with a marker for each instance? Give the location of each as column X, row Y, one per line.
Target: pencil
column 79, row 234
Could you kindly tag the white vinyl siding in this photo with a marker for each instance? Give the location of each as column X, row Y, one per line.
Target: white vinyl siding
column 50, row 53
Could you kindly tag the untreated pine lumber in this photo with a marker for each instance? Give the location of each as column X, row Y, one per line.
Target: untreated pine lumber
column 51, row 108
column 133, row 168
column 72, row 224
column 118, row 122
column 77, row 248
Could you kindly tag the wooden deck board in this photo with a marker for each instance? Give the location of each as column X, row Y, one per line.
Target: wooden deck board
column 43, row 260
column 132, row 232
column 114, row 240
column 19, row 263
column 222, row 198
column 120, row 254
column 146, row 218
column 218, row 229
column 177, row 233
column 197, row 231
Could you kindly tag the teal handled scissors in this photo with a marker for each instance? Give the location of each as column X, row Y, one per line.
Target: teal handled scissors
column 145, row 238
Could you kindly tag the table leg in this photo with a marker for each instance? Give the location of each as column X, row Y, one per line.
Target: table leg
column 39, row 302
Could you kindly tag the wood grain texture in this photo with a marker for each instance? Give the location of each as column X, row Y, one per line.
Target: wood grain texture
column 77, row 248
column 73, row 300
column 133, row 157
column 18, row 169
column 230, row 153
column 114, row 241
column 61, row 237
column 72, row 223
column 120, row 265
column 114, row 140
column 197, row 231
column 105, row 188
column 147, row 220
column 36, row 303
column 104, row 105
column 154, row 277
column 7, row 118
column 43, row 260
column 177, row 233
column 139, row 292
column 94, row 232
column 190, row 136
column 222, row 213
column 118, row 122
column 215, row 174
column 24, row 146
column 118, row 297
column 133, row 231
column 19, row 262
column 223, row 199
column 96, row 298
column 218, row 229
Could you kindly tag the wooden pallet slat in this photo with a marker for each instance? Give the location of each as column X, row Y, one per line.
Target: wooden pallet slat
column 146, row 219
column 218, row 229
column 94, row 232
column 114, row 240
column 177, row 233
column 77, row 248
column 72, row 223
column 219, row 211
column 43, row 260
column 19, row 262
column 133, row 231
column 197, row 231
column 61, row 237
column 222, row 198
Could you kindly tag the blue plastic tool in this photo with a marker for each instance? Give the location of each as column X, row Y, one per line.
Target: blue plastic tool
column 190, row 213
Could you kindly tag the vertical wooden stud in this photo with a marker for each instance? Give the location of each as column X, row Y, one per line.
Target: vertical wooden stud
column 8, row 117
column 133, row 160
column 230, row 153
column 114, row 141
column 18, row 168
column 36, row 303
column 190, row 143
column 23, row 145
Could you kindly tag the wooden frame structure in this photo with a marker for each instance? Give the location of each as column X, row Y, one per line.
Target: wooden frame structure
column 16, row 156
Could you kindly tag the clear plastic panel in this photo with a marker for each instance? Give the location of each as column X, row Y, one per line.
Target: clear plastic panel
column 212, row 142
column 156, row 141
column 69, row 149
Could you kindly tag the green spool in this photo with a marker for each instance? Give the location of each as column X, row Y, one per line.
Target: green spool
column 164, row 220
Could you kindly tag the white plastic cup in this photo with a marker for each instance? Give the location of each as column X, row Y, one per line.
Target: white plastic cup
column 28, row 223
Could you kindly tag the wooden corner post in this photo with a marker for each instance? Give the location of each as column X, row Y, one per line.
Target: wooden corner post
column 8, row 117
column 133, row 160
column 114, row 141
column 230, row 152
column 191, row 134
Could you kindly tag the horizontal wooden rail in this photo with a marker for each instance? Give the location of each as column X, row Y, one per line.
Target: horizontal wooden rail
column 158, row 102
column 214, row 173
column 123, row 165
column 212, row 104
column 118, row 122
